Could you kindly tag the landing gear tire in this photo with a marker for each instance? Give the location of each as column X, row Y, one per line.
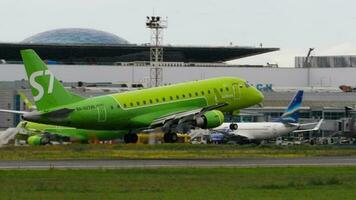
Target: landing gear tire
column 170, row 137
column 130, row 138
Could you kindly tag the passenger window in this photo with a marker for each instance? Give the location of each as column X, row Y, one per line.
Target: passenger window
column 177, row 97
column 151, row 101
column 183, row 96
column 118, row 106
column 221, row 90
column 163, row 99
column 125, row 105
column 144, row 102
column 208, row 91
column 190, row 94
column 171, row 98
column 196, row 93
column 131, row 104
column 157, row 100
column 227, row 89
column 202, row 92
column 138, row 103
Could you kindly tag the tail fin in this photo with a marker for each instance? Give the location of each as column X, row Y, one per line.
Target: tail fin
column 47, row 91
column 292, row 112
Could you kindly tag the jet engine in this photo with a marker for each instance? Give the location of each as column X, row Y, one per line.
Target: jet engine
column 36, row 140
column 233, row 126
column 46, row 138
column 210, row 119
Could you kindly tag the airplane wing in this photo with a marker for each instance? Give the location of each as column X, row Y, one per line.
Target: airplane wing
column 317, row 127
column 183, row 117
column 308, row 124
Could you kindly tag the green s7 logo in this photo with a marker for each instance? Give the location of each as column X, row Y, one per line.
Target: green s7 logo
column 38, row 86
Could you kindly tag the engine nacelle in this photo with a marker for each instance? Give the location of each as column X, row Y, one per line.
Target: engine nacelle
column 233, row 126
column 210, row 119
column 37, row 140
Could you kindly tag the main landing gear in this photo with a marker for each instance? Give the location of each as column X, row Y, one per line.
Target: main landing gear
column 130, row 138
column 170, row 137
column 167, row 138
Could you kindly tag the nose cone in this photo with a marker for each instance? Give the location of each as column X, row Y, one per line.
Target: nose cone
column 256, row 97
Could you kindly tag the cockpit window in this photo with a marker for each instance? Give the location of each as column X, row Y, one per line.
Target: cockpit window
column 247, row 84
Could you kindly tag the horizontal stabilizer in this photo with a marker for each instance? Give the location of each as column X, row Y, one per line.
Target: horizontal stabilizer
column 61, row 113
column 56, row 115
column 13, row 111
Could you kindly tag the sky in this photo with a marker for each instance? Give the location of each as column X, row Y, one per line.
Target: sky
column 294, row 26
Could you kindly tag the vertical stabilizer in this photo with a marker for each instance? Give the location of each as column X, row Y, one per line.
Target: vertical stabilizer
column 292, row 112
column 47, row 91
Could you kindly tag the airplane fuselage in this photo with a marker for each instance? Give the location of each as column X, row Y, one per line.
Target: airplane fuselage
column 136, row 109
column 259, row 130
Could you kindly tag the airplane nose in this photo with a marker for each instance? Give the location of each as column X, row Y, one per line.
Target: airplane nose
column 258, row 96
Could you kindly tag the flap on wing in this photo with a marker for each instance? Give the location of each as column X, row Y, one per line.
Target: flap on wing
column 180, row 115
column 175, row 116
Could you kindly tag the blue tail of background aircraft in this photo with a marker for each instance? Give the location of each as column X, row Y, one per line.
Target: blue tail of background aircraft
column 291, row 115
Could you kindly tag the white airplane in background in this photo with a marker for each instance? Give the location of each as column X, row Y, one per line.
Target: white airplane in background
column 258, row 131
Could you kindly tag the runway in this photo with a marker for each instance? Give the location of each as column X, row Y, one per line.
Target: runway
column 160, row 163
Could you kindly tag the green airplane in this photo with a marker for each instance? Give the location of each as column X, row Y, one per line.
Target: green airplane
column 172, row 108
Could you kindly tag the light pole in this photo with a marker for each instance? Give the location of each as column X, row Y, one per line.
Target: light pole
column 156, row 24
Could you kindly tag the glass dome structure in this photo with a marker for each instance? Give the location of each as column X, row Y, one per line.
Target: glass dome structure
column 75, row 36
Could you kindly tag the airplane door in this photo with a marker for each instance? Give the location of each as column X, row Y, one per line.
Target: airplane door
column 237, row 91
column 101, row 113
